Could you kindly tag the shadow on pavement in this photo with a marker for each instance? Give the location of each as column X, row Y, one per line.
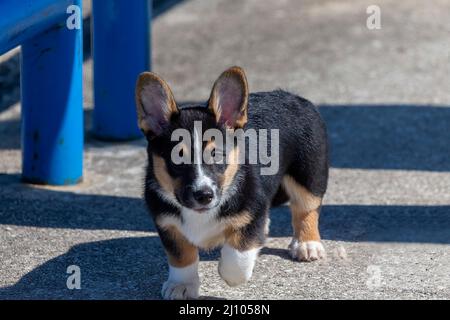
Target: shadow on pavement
column 403, row 137
column 58, row 209
column 23, row 205
column 135, row 267
column 125, row 268
column 374, row 223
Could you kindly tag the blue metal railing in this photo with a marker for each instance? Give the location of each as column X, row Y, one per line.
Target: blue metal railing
column 51, row 79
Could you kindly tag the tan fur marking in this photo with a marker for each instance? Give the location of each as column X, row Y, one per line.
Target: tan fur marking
column 162, row 176
column 240, row 220
column 234, row 238
column 214, row 103
column 300, row 196
column 231, row 232
column 213, row 242
column 211, row 144
column 232, row 168
column 188, row 252
column 304, row 205
column 305, row 224
column 237, row 239
column 234, row 235
column 145, row 79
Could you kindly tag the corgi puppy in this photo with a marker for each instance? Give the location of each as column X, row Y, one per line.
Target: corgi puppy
column 203, row 195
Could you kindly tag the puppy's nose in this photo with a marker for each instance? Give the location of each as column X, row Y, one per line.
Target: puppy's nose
column 204, row 195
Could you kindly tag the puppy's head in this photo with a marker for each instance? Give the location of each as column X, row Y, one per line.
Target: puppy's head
column 187, row 144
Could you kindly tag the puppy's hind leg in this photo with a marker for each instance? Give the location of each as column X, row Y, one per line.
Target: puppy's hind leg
column 305, row 244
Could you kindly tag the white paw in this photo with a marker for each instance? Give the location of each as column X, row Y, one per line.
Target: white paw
column 172, row 290
column 183, row 283
column 306, row 251
column 234, row 276
column 236, row 267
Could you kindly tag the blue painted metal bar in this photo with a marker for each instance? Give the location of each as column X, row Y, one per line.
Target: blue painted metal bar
column 52, row 100
column 121, row 45
column 24, row 19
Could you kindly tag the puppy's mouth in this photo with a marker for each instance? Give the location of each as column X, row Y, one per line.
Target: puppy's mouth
column 204, row 209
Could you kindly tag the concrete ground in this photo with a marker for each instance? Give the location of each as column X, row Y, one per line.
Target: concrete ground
column 386, row 100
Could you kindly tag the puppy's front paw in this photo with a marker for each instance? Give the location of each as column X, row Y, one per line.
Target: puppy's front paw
column 173, row 290
column 234, row 275
column 236, row 267
column 306, row 251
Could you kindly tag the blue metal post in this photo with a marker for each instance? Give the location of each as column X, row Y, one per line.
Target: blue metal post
column 121, row 50
column 52, row 106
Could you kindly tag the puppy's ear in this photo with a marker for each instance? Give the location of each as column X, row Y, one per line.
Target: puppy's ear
column 155, row 103
column 229, row 98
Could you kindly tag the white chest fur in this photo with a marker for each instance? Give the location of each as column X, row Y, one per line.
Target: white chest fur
column 198, row 228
